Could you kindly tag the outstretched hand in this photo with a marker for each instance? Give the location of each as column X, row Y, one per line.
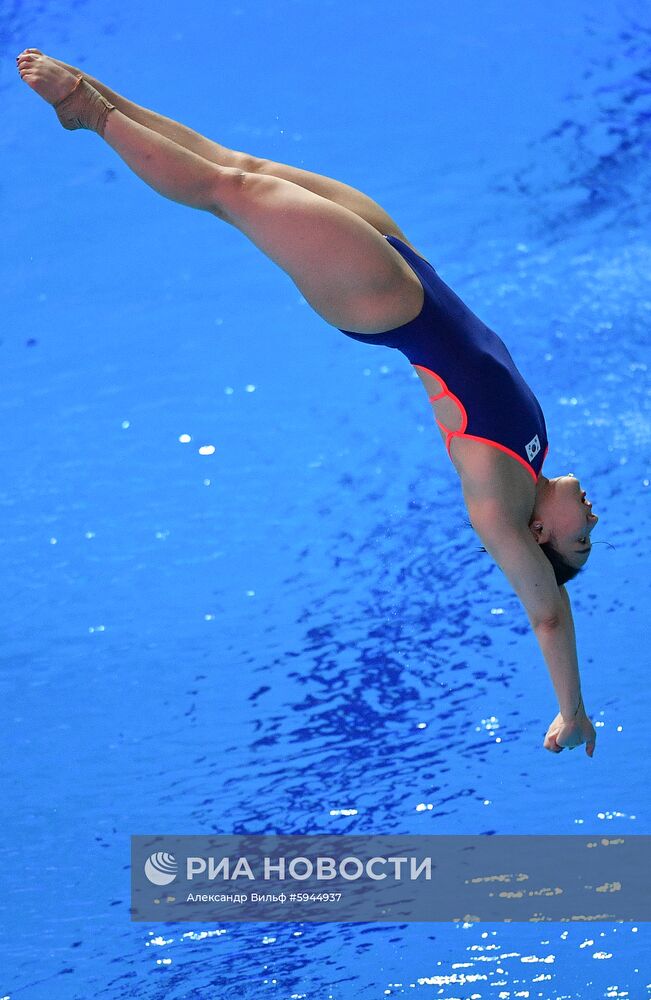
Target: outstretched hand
column 567, row 735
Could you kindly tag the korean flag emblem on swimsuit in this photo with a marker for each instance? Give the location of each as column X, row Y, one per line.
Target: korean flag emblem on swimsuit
column 533, row 448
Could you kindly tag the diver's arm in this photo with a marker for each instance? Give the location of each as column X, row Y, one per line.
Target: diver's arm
column 547, row 605
column 557, row 641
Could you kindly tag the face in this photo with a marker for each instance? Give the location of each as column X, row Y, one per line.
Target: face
column 572, row 520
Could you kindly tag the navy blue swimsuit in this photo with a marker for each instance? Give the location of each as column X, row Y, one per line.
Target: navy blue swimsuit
column 474, row 367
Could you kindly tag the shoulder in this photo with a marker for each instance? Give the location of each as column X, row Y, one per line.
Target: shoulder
column 494, row 482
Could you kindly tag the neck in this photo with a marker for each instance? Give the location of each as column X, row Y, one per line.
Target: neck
column 543, row 491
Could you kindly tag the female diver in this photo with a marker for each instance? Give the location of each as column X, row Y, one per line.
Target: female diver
column 359, row 272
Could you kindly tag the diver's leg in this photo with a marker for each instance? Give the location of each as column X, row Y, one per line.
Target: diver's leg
column 343, row 194
column 347, row 272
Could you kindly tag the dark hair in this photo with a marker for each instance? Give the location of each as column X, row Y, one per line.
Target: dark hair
column 563, row 571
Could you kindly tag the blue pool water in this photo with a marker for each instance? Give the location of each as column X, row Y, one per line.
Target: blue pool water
column 251, row 640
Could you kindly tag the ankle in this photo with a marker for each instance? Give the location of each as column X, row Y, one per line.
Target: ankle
column 84, row 107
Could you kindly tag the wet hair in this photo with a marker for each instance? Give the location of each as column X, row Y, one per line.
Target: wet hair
column 563, row 571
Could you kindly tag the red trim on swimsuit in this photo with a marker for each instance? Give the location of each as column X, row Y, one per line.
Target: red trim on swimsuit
column 461, row 432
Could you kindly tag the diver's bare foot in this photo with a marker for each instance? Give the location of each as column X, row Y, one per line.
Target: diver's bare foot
column 60, row 62
column 77, row 103
column 97, row 84
column 51, row 81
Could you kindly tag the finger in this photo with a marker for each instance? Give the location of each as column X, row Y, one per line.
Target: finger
column 589, row 749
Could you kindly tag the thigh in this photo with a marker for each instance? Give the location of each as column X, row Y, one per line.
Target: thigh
column 343, row 194
column 350, row 275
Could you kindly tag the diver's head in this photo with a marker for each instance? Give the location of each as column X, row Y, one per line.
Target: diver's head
column 561, row 523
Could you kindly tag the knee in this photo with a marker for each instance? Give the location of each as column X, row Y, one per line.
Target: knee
column 227, row 190
column 249, row 164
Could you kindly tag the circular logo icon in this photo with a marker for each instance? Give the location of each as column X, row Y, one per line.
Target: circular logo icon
column 161, row 868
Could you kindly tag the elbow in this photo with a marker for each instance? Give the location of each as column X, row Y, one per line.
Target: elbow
column 547, row 622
